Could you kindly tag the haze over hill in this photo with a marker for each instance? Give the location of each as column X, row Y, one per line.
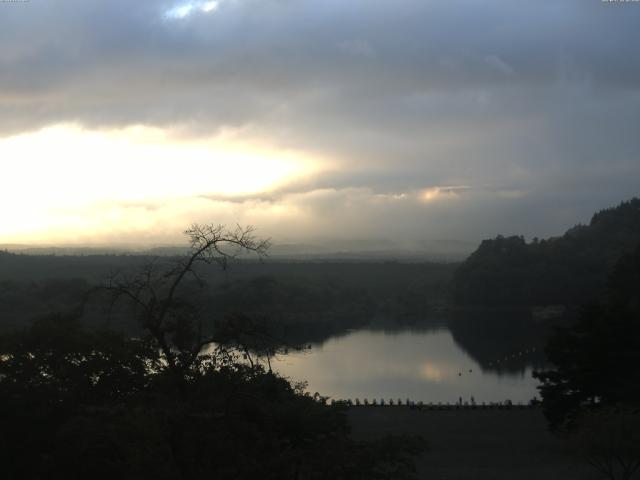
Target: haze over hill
column 438, row 250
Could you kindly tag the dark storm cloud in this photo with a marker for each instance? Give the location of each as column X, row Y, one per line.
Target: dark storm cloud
column 537, row 98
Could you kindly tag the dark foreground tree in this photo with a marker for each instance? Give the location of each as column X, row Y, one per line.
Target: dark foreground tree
column 596, row 360
column 51, row 374
column 609, row 441
column 158, row 292
column 93, row 404
column 593, row 391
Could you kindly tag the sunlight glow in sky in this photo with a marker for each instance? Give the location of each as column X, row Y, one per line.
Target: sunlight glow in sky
column 438, row 193
column 65, row 169
column 185, row 9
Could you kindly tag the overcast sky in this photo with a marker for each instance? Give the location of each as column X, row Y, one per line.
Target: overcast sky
column 405, row 120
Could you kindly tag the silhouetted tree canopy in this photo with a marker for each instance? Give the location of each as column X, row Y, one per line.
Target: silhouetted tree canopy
column 568, row 270
column 75, row 404
column 596, row 361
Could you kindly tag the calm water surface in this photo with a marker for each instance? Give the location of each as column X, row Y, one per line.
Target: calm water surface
column 420, row 365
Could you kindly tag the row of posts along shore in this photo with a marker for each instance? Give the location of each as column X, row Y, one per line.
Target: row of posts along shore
column 505, row 405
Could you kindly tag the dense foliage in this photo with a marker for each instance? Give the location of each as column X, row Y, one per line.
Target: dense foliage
column 310, row 301
column 568, row 270
column 182, row 401
column 78, row 404
column 596, row 361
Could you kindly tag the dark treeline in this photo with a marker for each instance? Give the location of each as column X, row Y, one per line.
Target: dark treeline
column 318, row 298
column 509, row 295
column 567, row 270
column 22, row 267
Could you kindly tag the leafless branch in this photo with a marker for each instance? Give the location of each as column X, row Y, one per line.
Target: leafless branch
column 153, row 292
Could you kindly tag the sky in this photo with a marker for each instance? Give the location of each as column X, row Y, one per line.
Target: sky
column 399, row 121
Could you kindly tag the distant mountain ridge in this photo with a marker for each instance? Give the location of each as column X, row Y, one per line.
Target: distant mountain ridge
column 568, row 270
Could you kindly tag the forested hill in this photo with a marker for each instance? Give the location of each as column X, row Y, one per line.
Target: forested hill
column 568, row 270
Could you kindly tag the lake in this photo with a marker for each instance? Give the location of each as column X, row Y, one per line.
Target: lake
column 422, row 365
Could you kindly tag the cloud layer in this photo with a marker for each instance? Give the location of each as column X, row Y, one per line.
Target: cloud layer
column 518, row 117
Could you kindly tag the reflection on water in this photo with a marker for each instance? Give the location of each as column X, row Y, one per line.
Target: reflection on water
column 420, row 365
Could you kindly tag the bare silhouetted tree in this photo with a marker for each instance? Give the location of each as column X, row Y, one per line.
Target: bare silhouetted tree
column 153, row 290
